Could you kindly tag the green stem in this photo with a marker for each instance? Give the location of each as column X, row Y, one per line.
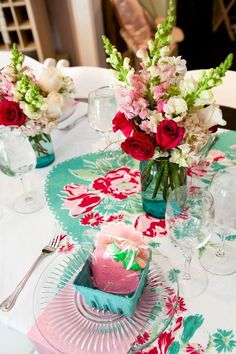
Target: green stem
column 175, row 175
column 146, row 174
column 165, row 180
column 158, row 181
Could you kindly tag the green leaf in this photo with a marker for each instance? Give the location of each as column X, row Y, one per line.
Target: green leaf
column 230, row 238
column 174, row 348
column 173, row 275
column 191, row 324
column 85, row 174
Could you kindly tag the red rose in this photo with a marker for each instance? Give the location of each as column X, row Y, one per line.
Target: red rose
column 11, row 114
column 120, row 122
column 140, row 146
column 169, row 134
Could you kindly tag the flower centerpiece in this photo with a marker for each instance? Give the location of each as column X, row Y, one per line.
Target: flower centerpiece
column 165, row 117
column 34, row 104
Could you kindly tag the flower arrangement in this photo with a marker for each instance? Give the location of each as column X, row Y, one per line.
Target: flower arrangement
column 34, row 104
column 164, row 116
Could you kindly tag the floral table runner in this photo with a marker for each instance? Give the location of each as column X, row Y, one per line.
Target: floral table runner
column 90, row 190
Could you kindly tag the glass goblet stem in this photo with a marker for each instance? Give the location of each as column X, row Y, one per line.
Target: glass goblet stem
column 188, row 255
column 221, row 250
column 27, row 189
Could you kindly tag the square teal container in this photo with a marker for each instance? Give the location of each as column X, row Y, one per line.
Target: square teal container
column 120, row 304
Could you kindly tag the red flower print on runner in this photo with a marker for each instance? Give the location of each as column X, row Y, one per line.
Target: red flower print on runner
column 68, row 247
column 92, row 219
column 164, row 341
column 119, row 183
column 80, row 199
column 150, row 226
column 195, row 348
column 171, row 303
column 118, row 217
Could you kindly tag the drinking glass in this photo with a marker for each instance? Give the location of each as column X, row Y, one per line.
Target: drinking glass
column 189, row 222
column 220, row 259
column 17, row 157
column 102, row 108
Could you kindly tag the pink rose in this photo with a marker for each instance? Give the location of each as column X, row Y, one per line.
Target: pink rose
column 120, row 122
column 80, row 200
column 119, row 183
column 169, row 134
column 140, row 146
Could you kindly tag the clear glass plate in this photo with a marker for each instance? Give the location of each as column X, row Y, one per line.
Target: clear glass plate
column 71, row 326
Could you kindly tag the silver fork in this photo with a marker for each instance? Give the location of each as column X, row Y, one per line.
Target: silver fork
column 50, row 248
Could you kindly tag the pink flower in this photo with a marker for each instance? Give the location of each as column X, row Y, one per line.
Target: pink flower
column 92, row 219
column 158, row 91
column 160, row 105
column 74, row 189
column 119, row 183
column 80, row 200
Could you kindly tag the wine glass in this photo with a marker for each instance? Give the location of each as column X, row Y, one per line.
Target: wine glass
column 221, row 260
column 189, row 222
column 17, row 157
column 102, row 108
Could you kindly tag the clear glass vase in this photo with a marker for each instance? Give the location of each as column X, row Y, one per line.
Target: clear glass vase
column 158, row 178
column 43, row 147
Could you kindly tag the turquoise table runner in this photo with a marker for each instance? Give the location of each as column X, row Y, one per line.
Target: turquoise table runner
column 90, row 190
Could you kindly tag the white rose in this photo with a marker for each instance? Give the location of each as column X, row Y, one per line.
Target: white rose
column 55, row 105
column 50, row 80
column 187, row 86
column 176, row 106
column 211, row 116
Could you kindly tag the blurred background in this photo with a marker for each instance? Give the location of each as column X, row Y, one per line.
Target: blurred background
column 72, row 29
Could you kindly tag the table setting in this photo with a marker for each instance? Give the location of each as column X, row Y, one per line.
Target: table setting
column 124, row 240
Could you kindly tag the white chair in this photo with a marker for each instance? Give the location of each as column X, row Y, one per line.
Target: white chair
column 88, row 78
column 5, row 57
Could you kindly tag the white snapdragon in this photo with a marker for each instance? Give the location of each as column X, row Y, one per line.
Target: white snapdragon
column 164, row 51
column 187, row 86
column 143, row 55
column 150, row 124
column 175, row 106
column 205, row 97
column 55, row 102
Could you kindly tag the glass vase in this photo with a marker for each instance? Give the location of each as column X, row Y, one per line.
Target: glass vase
column 43, row 147
column 158, row 178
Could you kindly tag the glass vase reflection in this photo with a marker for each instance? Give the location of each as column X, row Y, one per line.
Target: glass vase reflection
column 158, row 178
column 43, row 147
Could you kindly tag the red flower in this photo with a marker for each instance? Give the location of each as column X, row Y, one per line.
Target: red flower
column 68, row 247
column 120, row 122
column 118, row 217
column 170, row 305
column 140, row 146
column 11, row 114
column 150, row 226
column 92, row 219
column 195, row 348
column 119, row 183
column 164, row 342
column 169, row 134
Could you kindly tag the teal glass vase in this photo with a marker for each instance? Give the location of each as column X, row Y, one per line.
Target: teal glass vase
column 43, row 147
column 158, row 178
